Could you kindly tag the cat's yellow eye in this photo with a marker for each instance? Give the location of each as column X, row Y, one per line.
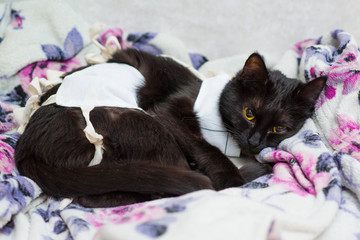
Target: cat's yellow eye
column 248, row 114
column 279, row 129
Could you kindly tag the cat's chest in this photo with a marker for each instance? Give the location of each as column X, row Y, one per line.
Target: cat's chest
column 109, row 84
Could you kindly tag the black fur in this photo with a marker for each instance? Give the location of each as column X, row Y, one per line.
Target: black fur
column 159, row 153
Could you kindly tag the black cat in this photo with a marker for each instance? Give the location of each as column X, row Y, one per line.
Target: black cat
column 158, row 150
column 270, row 107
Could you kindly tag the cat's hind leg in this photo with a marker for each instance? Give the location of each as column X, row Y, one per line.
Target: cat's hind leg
column 114, row 199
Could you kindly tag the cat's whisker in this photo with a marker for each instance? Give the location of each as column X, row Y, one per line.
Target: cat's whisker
column 227, row 127
column 221, row 125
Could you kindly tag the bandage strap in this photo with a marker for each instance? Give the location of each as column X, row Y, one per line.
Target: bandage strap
column 93, row 136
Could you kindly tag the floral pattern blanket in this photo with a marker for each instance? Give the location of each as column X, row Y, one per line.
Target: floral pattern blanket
column 313, row 192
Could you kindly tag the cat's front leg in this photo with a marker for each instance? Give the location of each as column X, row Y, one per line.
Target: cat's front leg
column 213, row 163
column 253, row 170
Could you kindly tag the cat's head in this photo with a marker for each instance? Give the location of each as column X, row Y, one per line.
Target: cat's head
column 262, row 107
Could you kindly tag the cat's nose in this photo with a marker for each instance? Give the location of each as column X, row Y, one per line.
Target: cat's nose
column 254, row 140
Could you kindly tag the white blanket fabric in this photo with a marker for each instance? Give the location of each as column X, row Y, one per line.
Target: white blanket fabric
column 313, row 192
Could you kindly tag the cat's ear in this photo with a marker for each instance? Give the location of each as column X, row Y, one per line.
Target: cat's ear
column 311, row 90
column 254, row 70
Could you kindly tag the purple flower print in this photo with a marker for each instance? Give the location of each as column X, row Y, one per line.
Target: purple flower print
column 344, row 39
column 350, row 205
column 256, row 184
column 76, row 225
column 333, row 190
column 16, row 97
column 176, row 205
column 141, row 37
column 8, row 228
column 59, row 227
column 310, row 139
column 325, row 163
column 152, row 229
column 155, row 228
column 72, row 45
column 336, row 32
column 347, row 168
column 197, row 60
column 339, row 63
column 52, row 214
column 48, row 213
column 15, row 191
column 141, row 41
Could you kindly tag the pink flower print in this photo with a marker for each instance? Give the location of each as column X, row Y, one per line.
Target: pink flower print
column 346, row 70
column 292, row 172
column 284, row 177
column 303, row 168
column 350, row 57
column 302, row 45
column 312, row 72
column 116, row 32
column 346, row 137
column 297, row 172
column 16, row 20
column 39, row 70
column 352, row 83
column 321, row 180
column 330, row 92
column 277, row 156
column 7, row 152
column 344, row 74
column 137, row 213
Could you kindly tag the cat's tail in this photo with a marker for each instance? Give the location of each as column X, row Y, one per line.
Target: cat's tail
column 144, row 178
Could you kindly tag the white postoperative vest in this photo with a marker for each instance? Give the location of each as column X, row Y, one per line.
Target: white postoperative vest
column 101, row 85
column 207, row 109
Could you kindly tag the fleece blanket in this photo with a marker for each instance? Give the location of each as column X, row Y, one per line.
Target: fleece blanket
column 313, row 192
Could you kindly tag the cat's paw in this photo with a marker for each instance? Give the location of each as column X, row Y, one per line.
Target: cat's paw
column 227, row 180
column 201, row 182
column 251, row 171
